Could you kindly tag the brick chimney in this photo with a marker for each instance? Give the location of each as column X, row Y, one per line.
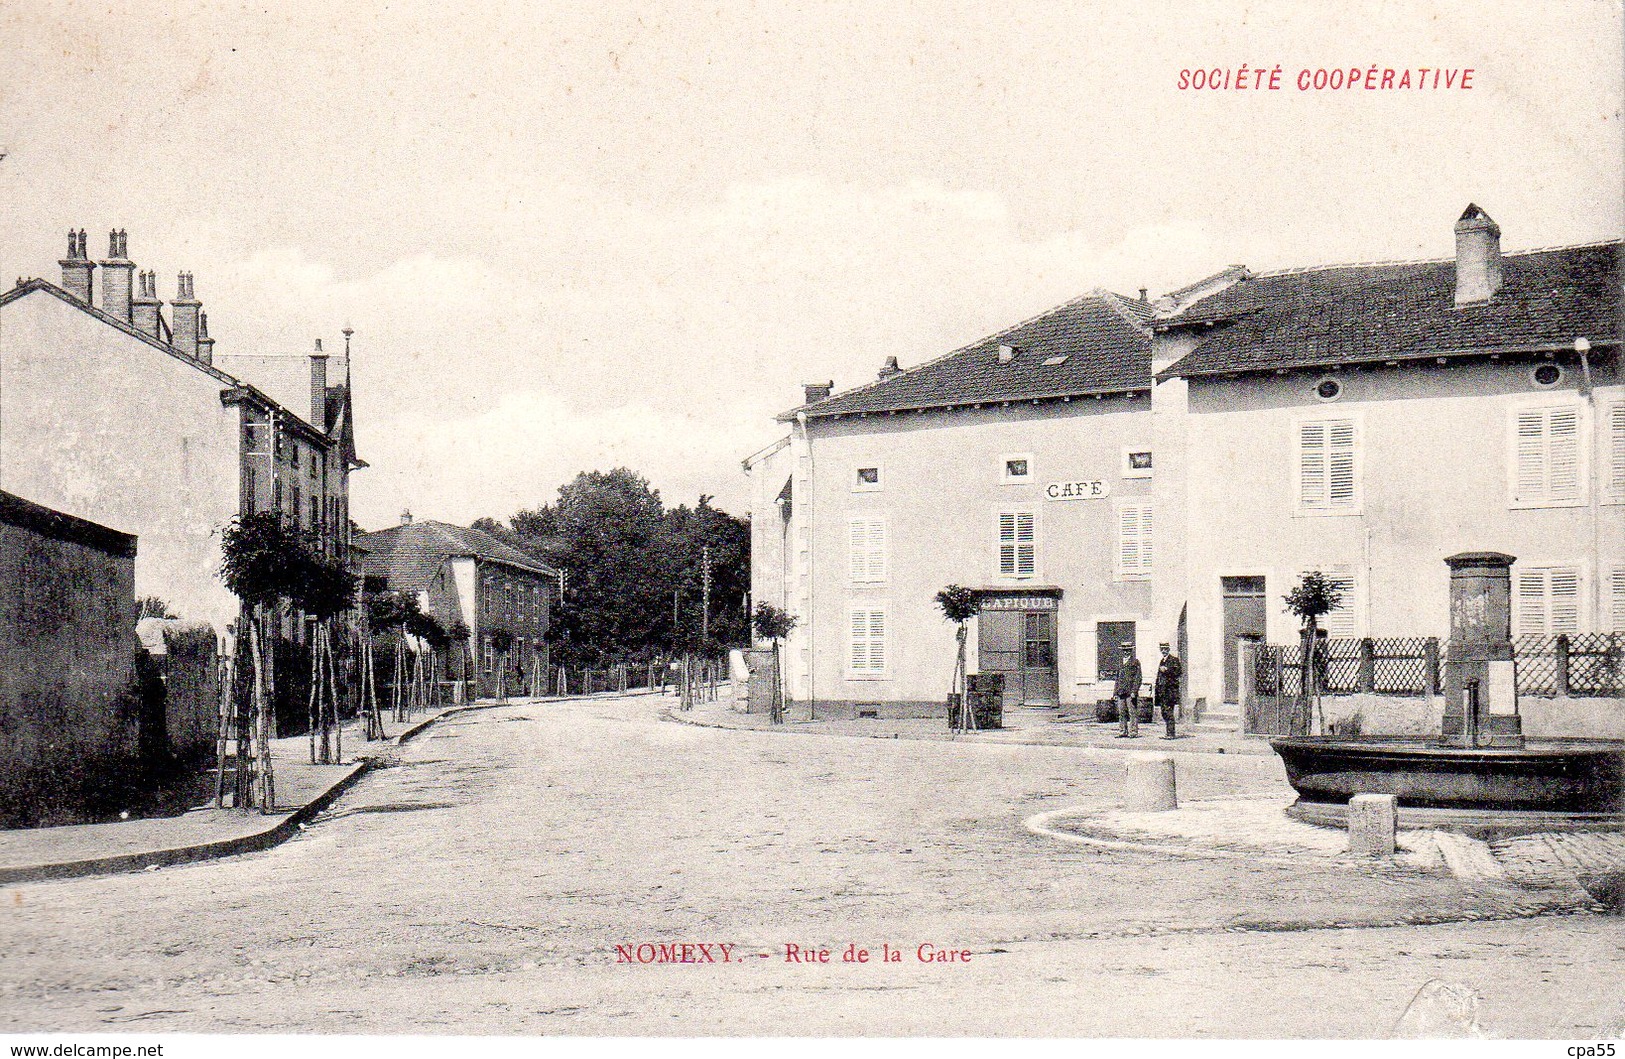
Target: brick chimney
column 205, row 344
column 890, row 368
column 1478, row 257
column 184, row 310
column 318, row 388
column 146, row 307
column 117, row 272
column 77, row 267
column 817, row 391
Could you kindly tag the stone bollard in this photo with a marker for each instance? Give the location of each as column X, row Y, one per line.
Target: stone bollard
column 1148, row 785
column 1372, row 821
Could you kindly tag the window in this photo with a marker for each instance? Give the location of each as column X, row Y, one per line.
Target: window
column 866, row 654
column 489, row 654
column 866, row 550
column 1616, row 600
column 251, row 496
column 1547, row 456
column 1328, row 390
column 1328, row 468
column 866, row 479
column 1018, row 543
column 1615, row 418
column 1546, row 376
column 1545, row 600
column 1134, row 541
column 1343, row 622
column 1136, row 463
column 1016, row 468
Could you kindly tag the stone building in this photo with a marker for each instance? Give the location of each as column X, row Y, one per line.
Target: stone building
column 115, row 411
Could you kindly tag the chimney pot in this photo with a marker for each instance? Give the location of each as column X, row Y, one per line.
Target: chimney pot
column 77, row 268
column 145, row 308
column 318, row 388
column 1478, row 257
column 406, row 517
column 1142, row 296
column 117, row 273
column 184, row 312
column 817, row 391
column 890, row 368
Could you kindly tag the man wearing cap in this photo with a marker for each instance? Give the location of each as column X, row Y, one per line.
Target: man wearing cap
column 1165, row 689
column 1127, row 691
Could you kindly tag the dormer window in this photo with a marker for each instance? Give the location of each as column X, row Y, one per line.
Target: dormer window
column 1007, row 354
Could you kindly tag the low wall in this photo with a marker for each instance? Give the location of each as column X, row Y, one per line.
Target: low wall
column 184, row 655
column 70, row 708
column 1368, row 714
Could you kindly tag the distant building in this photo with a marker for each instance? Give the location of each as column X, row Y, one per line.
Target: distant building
column 1019, row 465
column 1369, row 420
column 464, row 574
column 120, row 414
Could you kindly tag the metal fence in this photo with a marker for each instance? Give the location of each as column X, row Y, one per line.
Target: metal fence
column 1588, row 665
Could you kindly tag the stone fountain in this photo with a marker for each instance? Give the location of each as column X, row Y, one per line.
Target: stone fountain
column 1481, row 775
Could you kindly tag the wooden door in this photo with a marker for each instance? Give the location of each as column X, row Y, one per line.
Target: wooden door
column 999, row 648
column 1244, row 615
column 1039, row 682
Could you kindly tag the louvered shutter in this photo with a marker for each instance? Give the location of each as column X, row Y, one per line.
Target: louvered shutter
column 1340, row 464
column 1134, row 540
column 1529, row 603
column 1563, row 453
column 1563, row 589
column 1616, row 451
column 1026, row 544
column 1341, row 623
column 1616, row 600
column 1007, row 543
column 1531, row 455
column 1312, row 464
column 877, row 641
column 859, row 658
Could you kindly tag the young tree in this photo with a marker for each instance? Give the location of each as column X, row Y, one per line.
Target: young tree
column 1313, row 597
column 959, row 605
column 501, row 643
column 773, row 624
column 458, row 633
column 324, row 590
column 264, row 562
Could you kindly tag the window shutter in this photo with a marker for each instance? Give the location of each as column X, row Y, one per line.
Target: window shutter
column 1529, row 603
column 877, row 641
column 1565, row 601
column 860, row 641
column 1007, row 543
column 1026, row 544
column 1563, row 448
column 1134, row 540
column 1312, row 464
column 1340, row 464
column 1616, row 600
column 1616, row 451
column 867, row 638
column 1340, row 622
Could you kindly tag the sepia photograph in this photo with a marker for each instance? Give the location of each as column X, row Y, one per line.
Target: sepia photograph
column 883, row 521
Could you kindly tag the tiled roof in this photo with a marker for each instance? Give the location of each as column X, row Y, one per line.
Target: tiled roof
column 1100, row 343
column 1351, row 314
column 410, row 555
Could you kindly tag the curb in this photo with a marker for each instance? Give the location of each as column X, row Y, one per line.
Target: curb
column 274, row 835
column 971, row 738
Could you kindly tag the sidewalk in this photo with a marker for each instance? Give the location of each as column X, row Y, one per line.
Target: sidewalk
column 1031, row 727
column 302, row 791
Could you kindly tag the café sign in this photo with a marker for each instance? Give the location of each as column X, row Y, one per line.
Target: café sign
column 1094, row 490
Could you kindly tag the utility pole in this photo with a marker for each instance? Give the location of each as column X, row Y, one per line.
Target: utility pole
column 705, row 594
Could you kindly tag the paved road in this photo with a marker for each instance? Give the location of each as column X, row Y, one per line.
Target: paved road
column 483, row 884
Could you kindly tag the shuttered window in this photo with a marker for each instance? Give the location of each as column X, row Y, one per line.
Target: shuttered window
column 1134, row 541
column 866, row 549
column 866, row 650
column 1546, row 454
column 1018, row 543
column 1328, row 466
column 1343, row 621
column 1545, row 601
column 1616, row 452
column 1616, row 600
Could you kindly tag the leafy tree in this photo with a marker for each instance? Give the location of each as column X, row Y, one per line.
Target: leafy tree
column 152, row 607
column 1312, row 598
column 501, row 642
column 771, row 623
column 959, row 605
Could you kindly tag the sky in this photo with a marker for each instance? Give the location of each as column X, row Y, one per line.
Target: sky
column 578, row 236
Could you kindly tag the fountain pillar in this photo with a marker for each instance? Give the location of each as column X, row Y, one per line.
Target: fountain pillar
column 1480, row 684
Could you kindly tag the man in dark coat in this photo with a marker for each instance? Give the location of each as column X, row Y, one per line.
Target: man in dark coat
column 1127, row 692
column 1165, row 691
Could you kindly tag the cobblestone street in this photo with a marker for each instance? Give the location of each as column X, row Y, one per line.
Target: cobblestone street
column 482, row 882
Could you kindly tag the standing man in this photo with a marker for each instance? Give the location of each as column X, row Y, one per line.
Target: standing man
column 1165, row 691
column 1127, row 692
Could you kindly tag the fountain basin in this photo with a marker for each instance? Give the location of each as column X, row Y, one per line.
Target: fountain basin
column 1568, row 782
